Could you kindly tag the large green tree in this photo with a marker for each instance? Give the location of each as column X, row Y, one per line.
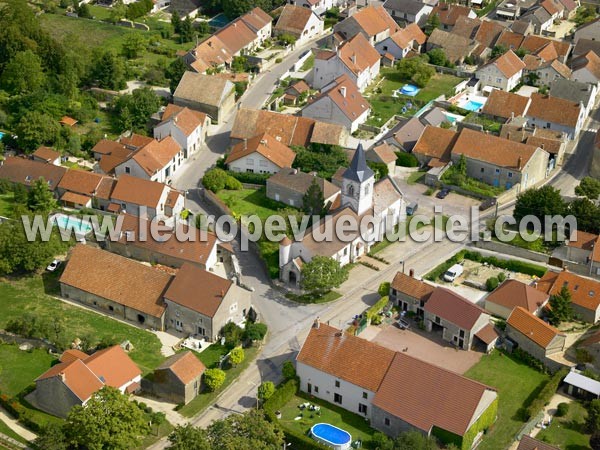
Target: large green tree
column 133, row 110
column 107, row 421
column 321, row 158
column 416, row 70
column 313, row 201
column 322, row 274
column 540, row 202
column 589, row 187
column 174, row 72
column 587, row 214
column 35, row 129
column 108, row 70
column 51, row 437
column 40, row 197
column 560, row 307
column 188, row 437
column 23, row 73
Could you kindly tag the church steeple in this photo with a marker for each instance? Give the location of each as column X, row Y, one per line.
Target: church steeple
column 357, row 183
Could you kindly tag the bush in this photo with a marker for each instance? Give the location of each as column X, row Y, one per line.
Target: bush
column 491, row 283
column 232, row 334
column 529, row 360
column 562, row 409
column 236, row 356
column 250, row 178
column 384, row 289
column 373, row 311
column 282, row 395
column 266, row 391
column 546, row 393
column 501, row 277
column 406, row 159
column 255, row 331
column 288, row 371
column 214, row 378
column 217, row 179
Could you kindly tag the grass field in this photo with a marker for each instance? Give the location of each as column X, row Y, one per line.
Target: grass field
column 4, row 429
column 384, row 105
column 6, row 202
column 210, row 358
column 568, row 432
column 18, row 369
column 416, row 177
column 28, row 295
column 331, row 414
column 517, row 386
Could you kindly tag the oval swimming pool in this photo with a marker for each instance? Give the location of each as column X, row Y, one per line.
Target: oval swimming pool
column 331, row 436
column 409, row 89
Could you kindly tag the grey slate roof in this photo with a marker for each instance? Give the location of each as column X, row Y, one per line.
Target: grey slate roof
column 434, row 117
column 571, row 90
column 585, row 45
column 358, row 170
column 408, row 6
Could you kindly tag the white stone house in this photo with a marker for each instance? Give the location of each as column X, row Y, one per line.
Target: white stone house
column 319, row 6
column 261, row 154
column 504, row 72
column 302, row 23
column 156, row 161
column 402, row 42
column 187, row 127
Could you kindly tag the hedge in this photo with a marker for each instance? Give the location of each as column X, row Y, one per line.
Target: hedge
column 529, row 360
column 250, row 178
column 283, row 394
column 546, row 393
column 442, row 268
column 21, row 413
column 378, row 306
column 406, row 159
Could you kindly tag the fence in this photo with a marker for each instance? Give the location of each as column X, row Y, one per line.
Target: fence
column 511, row 250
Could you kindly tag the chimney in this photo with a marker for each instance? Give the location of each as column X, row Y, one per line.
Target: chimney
column 295, row 171
column 411, row 273
column 317, row 323
column 222, row 293
column 343, row 91
column 245, row 143
column 62, row 376
column 520, row 163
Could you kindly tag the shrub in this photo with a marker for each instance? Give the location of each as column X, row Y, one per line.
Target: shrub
column 384, row 289
column 378, row 306
column 288, row 371
column 546, row 393
column 529, row 360
column 232, row 334
column 282, row 395
column 491, row 283
column 501, row 277
column 406, row 159
column 236, row 356
column 255, row 331
column 251, row 178
column 266, row 391
column 562, row 409
column 215, row 180
column 214, row 378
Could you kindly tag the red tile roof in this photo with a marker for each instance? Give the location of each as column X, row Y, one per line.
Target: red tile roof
column 113, row 366
column 513, row 293
column 265, row 145
column 374, row 20
column 138, row 191
column 46, row 153
column 505, row 104
column 436, row 143
column 185, row 366
column 26, row 171
column 554, row 109
column 345, row 94
column 508, row 63
column 532, row 327
column 80, row 182
column 357, row 54
column 412, row 287
column 584, row 291
column 346, row 357
column 187, row 120
column 449, row 13
column 454, row 308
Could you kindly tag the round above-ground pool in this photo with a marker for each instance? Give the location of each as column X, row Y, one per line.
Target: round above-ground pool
column 409, row 89
column 331, row 436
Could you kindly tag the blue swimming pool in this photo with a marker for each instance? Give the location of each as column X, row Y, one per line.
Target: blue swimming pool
column 409, row 89
column 331, row 436
column 472, row 105
column 80, row 226
column 1, row 135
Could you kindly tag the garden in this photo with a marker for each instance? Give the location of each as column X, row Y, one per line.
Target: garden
column 384, row 104
column 518, row 386
column 569, row 430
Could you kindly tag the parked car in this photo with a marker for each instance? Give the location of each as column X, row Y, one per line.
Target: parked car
column 53, row 265
column 487, row 203
column 402, row 324
column 453, row 272
column 443, row 193
column 412, row 208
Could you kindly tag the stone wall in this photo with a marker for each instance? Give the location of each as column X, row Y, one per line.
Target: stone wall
column 511, row 250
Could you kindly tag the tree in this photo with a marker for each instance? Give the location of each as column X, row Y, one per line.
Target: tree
column 135, row 109
column 498, row 50
column 288, row 371
column 35, row 129
column 133, row 45
column 23, row 74
column 239, row 64
column 437, row 57
column 118, row 11
column 176, row 21
column 589, row 187
column 322, row 274
column 249, row 431
column 384, row 289
column 84, row 11
column 232, row 334
column 381, row 442
column 214, row 378
column 255, row 331
column 51, row 437
column 560, row 307
column 40, row 197
column 313, row 202
column 186, row 30
column 592, row 422
column 174, row 72
column 235, row 8
column 107, row 70
column 287, row 39
column 413, row 440
column 433, row 22
column 595, row 441
column 541, row 202
column 236, row 356
column 321, row 158
column 380, row 169
column 266, row 391
column 188, row 437
column 587, row 214
column 108, row 420
column 416, row 70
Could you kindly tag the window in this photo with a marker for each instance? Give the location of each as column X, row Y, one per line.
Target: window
column 337, row 383
column 386, row 421
column 438, row 320
column 498, row 80
column 365, row 395
column 351, row 190
column 510, row 174
column 337, row 398
column 345, row 251
column 367, row 189
column 250, row 161
column 127, row 170
column 497, row 170
column 201, row 331
column 482, row 169
column 362, row 409
column 316, row 389
column 462, row 333
column 111, row 308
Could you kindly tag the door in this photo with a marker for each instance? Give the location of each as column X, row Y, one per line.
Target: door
column 178, row 325
column 309, row 388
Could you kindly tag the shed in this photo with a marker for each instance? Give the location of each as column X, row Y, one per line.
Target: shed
column 581, row 386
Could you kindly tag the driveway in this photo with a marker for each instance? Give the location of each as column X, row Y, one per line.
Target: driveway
column 426, row 346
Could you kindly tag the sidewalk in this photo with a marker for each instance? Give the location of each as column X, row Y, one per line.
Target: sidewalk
column 15, row 426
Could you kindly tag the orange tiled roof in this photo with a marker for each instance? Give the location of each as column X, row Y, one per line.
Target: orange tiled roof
column 436, row 143
column 411, row 286
column 513, row 293
column 505, row 104
column 554, row 109
column 267, row 146
column 584, row 291
column 532, row 327
column 357, row 54
column 186, row 366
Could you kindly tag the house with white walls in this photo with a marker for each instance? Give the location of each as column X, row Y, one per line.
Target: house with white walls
column 186, row 126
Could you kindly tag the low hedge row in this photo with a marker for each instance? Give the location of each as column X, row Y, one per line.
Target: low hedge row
column 378, row 306
column 546, row 393
column 20, row 413
column 250, row 178
column 442, row 268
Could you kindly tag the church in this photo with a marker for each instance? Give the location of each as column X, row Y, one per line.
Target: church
column 378, row 203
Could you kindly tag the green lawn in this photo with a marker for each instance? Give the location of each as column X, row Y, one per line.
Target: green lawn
column 18, row 369
column 487, row 124
column 354, row 424
column 310, row 298
column 6, row 204
column 207, row 398
column 28, row 295
column 384, row 105
column 568, row 432
column 517, row 385
column 4, row 429
column 416, row 177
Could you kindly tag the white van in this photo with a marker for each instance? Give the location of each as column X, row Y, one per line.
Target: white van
column 453, row 272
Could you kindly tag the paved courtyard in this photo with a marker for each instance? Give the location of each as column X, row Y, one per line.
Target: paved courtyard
column 426, row 346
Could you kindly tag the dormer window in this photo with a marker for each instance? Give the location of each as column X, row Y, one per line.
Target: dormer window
column 351, row 190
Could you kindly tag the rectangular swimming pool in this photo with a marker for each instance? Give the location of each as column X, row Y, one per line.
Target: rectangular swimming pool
column 80, row 226
column 472, row 105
